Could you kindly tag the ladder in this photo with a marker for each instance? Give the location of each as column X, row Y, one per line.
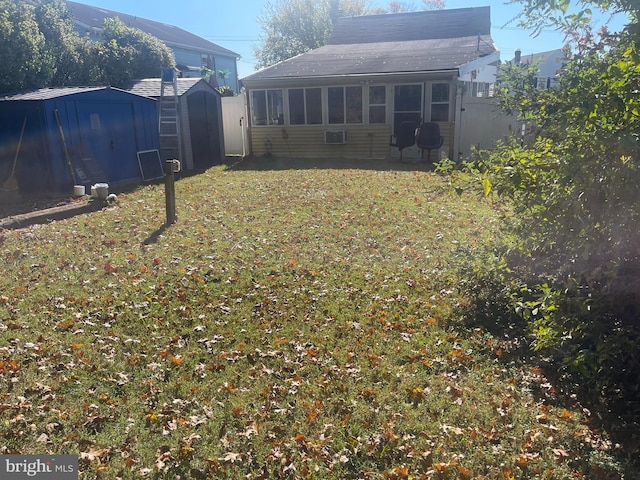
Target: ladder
column 169, row 117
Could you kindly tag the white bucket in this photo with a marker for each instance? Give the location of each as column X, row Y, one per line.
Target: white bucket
column 102, row 190
column 78, row 190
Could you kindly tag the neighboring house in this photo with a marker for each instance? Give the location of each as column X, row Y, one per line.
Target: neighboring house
column 347, row 98
column 60, row 137
column 549, row 65
column 548, row 68
column 200, row 109
column 190, row 51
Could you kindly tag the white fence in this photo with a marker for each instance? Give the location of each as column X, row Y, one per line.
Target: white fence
column 235, row 130
column 482, row 124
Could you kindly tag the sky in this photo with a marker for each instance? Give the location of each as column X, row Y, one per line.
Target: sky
column 233, row 24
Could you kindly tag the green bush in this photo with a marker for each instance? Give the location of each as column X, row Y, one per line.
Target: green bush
column 571, row 267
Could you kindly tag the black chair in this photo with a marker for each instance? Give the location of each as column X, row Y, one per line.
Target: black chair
column 428, row 138
column 404, row 137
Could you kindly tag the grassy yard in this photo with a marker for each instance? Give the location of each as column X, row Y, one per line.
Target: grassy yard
column 292, row 324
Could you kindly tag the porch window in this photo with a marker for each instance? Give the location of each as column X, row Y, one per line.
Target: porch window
column 305, row 106
column 377, row 104
column 440, row 102
column 344, row 104
column 267, row 107
column 407, row 100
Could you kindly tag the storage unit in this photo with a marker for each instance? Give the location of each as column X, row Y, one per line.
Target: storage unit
column 200, row 110
column 75, row 136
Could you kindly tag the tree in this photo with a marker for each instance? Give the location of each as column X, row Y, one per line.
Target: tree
column 573, row 267
column 125, row 53
column 40, row 48
column 558, row 13
column 210, row 76
column 23, row 62
column 292, row 27
column 64, row 51
column 400, row 7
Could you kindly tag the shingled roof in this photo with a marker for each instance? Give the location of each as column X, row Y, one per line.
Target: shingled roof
column 94, row 17
column 52, row 92
column 151, row 87
column 393, row 43
column 426, row 25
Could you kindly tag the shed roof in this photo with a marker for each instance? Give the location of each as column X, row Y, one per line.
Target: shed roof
column 393, row 43
column 94, row 17
column 57, row 92
column 151, row 87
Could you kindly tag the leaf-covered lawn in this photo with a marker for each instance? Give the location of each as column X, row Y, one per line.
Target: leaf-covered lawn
column 291, row 324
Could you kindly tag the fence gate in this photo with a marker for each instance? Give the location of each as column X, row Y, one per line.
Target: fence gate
column 482, row 123
column 234, row 122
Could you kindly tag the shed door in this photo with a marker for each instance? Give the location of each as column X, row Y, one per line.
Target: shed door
column 109, row 137
column 205, row 130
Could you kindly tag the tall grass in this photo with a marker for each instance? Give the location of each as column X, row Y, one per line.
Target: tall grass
column 291, row 324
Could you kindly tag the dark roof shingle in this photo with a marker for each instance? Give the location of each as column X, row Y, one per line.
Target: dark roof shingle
column 151, row 87
column 49, row 93
column 380, row 58
column 94, row 17
column 426, row 25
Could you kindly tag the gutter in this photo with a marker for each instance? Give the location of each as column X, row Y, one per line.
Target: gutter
column 281, row 81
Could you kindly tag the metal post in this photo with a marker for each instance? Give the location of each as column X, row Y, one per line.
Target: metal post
column 170, row 191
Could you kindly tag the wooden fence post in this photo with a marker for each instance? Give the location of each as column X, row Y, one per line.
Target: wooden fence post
column 170, row 190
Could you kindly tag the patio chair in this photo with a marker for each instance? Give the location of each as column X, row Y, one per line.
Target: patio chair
column 428, row 138
column 404, row 137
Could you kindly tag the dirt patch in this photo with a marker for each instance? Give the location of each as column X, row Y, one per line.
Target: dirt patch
column 16, row 204
column 25, row 211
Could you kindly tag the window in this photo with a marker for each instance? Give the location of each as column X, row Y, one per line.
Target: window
column 267, row 107
column 344, row 104
column 440, row 102
column 480, row 89
column 377, row 104
column 207, row 61
column 336, row 104
column 313, row 102
column 408, row 98
column 305, row 106
column 296, row 107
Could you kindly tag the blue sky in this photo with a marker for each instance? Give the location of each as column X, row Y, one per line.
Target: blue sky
column 233, row 23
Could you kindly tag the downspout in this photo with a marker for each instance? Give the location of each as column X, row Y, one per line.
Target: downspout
column 457, row 124
column 244, row 123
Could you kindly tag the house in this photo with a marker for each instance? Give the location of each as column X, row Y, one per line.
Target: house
column 56, row 138
column 548, row 65
column 200, row 110
column 346, row 99
column 190, row 51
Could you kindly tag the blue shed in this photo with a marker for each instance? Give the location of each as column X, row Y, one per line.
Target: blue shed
column 54, row 138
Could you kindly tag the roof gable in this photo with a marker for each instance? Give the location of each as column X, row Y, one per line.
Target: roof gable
column 94, row 17
column 426, row 25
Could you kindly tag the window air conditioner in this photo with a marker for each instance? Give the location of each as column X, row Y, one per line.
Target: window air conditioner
column 335, row 137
